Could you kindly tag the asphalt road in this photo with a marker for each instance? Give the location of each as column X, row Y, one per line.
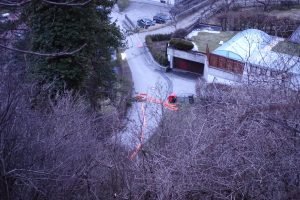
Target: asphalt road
column 148, row 77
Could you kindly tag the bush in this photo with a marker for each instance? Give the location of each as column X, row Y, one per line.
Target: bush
column 181, row 44
column 287, row 4
column 236, row 8
column 180, row 33
column 122, row 4
column 160, row 37
column 148, row 40
column 158, row 57
column 161, row 59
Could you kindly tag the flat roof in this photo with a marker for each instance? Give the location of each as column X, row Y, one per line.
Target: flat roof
column 212, row 38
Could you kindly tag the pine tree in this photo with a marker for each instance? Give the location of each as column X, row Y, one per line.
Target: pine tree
column 57, row 28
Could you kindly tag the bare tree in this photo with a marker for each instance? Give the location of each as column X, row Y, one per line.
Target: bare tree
column 264, row 3
column 61, row 151
column 18, row 3
column 234, row 143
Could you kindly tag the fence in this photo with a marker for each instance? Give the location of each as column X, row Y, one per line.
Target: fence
column 255, row 3
column 226, row 64
column 130, row 21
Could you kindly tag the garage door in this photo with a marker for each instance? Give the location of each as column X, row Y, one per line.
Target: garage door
column 188, row 65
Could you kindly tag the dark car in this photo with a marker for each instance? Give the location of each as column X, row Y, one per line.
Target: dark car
column 145, row 23
column 161, row 18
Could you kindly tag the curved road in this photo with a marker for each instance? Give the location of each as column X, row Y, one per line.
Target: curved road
column 148, row 77
column 146, row 72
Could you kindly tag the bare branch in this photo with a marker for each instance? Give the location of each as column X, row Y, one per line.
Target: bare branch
column 67, row 3
column 58, row 54
column 11, row 4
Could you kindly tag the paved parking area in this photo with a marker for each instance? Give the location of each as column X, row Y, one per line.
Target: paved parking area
column 138, row 10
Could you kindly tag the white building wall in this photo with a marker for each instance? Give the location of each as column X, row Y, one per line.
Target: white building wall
column 195, row 56
column 224, row 75
column 206, row 70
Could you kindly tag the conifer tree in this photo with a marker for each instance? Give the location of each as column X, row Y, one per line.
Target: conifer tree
column 59, row 28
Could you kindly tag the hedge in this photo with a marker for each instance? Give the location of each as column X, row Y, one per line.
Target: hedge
column 181, row 44
column 180, row 33
column 160, row 37
column 158, row 57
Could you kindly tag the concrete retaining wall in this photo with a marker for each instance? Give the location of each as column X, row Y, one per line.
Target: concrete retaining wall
column 223, row 74
column 193, row 56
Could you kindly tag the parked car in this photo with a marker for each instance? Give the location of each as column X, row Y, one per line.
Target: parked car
column 145, row 23
column 161, row 18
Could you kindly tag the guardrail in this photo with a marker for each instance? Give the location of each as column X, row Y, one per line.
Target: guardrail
column 130, row 21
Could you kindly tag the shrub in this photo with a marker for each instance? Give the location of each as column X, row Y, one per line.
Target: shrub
column 122, row 4
column 148, row 40
column 287, row 4
column 236, row 8
column 181, row 44
column 160, row 37
column 180, row 33
column 161, row 59
column 158, row 57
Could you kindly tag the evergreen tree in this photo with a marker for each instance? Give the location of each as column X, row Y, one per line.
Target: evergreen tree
column 58, row 28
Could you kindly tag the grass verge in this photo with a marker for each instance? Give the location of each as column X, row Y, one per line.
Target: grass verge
column 287, row 48
column 212, row 39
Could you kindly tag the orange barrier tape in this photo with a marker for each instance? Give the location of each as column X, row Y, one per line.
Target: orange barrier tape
column 146, row 97
column 144, row 124
column 136, row 151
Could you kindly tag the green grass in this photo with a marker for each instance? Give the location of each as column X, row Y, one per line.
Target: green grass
column 212, row 39
column 287, row 48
